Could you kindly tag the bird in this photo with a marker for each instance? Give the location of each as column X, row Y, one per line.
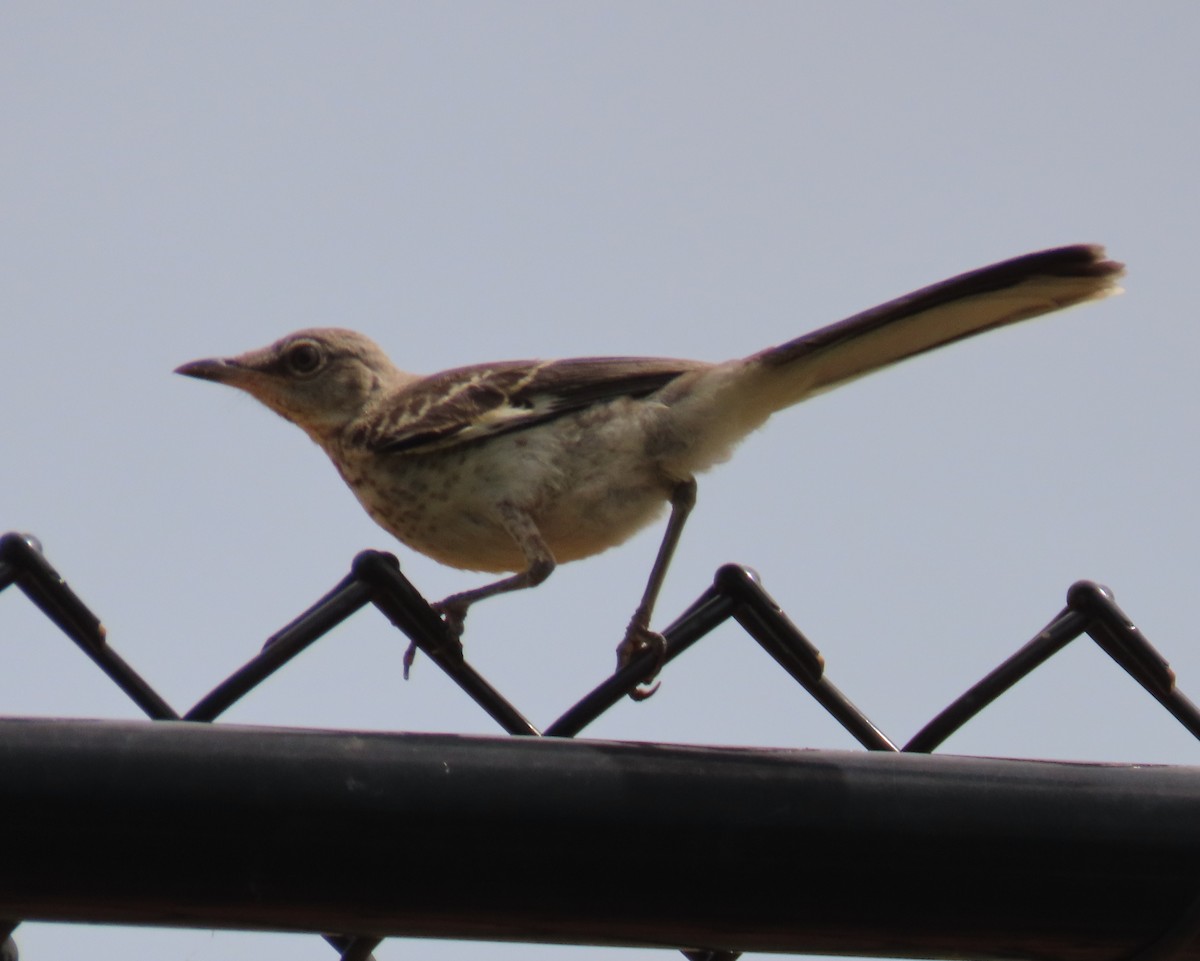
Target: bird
column 514, row 467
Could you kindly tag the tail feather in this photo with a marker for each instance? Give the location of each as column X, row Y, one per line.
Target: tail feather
column 932, row 317
column 717, row 406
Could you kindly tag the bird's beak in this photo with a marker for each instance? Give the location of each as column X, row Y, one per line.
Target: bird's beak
column 220, row 369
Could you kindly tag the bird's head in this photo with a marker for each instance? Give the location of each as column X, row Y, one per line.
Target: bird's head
column 321, row 379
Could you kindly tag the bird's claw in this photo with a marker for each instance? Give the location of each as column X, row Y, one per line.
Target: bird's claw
column 410, row 655
column 638, row 640
column 453, row 614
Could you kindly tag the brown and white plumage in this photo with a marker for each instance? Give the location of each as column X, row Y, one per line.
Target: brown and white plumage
column 518, row 465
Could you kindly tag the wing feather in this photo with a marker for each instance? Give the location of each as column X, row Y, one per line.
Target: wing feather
column 472, row 403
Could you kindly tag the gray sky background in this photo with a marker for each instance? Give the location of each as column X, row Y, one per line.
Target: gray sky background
column 480, row 181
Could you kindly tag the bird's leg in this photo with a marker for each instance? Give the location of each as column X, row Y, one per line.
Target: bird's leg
column 540, row 565
column 638, row 636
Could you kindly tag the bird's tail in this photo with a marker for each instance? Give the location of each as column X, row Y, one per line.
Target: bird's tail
column 737, row 397
column 955, row 309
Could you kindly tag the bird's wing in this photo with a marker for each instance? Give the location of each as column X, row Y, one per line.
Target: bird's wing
column 472, row 403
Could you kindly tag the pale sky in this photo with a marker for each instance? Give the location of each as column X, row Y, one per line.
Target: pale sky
column 480, row 181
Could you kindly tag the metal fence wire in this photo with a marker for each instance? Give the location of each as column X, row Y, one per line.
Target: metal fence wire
column 375, row 579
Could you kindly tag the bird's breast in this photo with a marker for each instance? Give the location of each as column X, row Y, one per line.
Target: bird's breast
column 587, row 481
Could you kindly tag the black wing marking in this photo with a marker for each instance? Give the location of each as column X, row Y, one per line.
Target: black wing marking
column 472, row 403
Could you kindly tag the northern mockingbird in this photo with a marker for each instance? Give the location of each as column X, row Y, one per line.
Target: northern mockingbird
column 517, row 466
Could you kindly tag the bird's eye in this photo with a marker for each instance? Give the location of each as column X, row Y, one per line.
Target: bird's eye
column 303, row 358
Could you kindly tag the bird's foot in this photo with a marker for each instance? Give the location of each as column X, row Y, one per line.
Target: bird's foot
column 638, row 640
column 453, row 613
column 410, row 655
